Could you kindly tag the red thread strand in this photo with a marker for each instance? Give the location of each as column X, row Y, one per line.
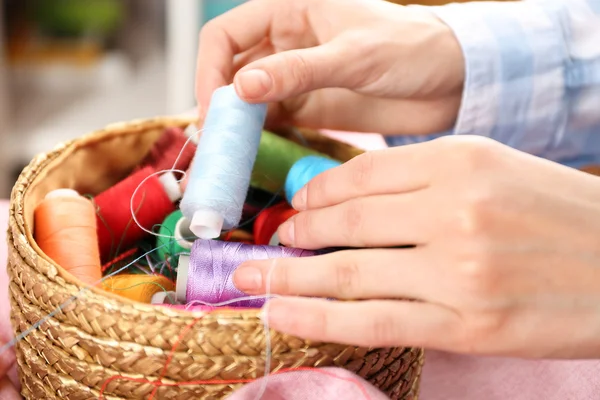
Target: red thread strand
column 116, row 229
column 122, row 257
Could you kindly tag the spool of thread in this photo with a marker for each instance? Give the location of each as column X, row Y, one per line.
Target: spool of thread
column 65, row 230
column 170, row 147
column 137, row 287
column 166, row 298
column 177, row 227
column 276, row 156
column 192, row 132
column 304, row 170
column 220, row 175
column 206, row 274
column 117, row 231
column 269, row 220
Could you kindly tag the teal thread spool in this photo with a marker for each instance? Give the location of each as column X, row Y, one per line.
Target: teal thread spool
column 304, row 170
column 179, row 237
column 274, row 160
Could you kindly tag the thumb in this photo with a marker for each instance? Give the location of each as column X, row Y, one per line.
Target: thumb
column 294, row 72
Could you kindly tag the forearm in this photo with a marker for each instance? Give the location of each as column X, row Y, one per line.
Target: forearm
column 532, row 72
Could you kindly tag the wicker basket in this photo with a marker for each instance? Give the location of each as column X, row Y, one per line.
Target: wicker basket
column 101, row 343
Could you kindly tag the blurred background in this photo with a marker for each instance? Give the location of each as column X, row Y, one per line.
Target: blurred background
column 69, row 67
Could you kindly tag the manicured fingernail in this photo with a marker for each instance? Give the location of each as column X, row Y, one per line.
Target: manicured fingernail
column 299, row 200
column 286, row 232
column 254, row 83
column 248, row 278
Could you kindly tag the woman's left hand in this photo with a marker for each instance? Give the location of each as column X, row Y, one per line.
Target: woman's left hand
column 506, row 258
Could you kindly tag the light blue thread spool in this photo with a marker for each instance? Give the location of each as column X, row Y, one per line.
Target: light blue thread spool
column 225, row 156
column 303, row 171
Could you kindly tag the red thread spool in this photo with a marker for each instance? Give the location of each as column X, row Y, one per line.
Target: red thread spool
column 154, row 200
column 167, row 148
column 269, row 220
column 65, row 230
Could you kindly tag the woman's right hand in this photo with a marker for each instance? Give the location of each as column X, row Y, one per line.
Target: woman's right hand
column 360, row 65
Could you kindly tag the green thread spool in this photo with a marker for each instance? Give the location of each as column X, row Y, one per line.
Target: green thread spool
column 179, row 237
column 275, row 158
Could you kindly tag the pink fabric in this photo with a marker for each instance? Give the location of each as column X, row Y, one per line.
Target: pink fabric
column 365, row 141
column 323, row 384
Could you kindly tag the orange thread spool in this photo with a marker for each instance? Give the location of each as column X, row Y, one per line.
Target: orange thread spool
column 269, row 220
column 137, row 287
column 65, row 230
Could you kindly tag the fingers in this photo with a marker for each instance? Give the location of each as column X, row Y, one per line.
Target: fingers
column 294, row 72
column 368, row 323
column 352, row 274
column 224, row 37
column 398, row 170
column 374, row 221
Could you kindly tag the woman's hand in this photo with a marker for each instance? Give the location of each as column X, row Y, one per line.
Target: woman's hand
column 506, row 258
column 372, row 65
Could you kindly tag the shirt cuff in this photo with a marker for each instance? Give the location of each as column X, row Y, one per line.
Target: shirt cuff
column 515, row 57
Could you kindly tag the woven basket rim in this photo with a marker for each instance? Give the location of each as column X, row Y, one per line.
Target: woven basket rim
column 101, row 333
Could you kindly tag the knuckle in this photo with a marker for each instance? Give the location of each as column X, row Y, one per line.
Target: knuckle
column 474, row 216
column 471, row 153
column 353, row 221
column 362, row 171
column 477, row 278
column 305, row 228
column 300, row 70
column 281, row 280
column 477, row 151
column 317, row 190
column 384, row 331
column 480, row 332
column 347, row 279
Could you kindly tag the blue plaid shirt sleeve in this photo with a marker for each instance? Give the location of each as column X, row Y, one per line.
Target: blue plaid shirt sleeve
column 532, row 75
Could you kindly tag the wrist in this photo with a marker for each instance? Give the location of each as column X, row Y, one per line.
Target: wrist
column 442, row 54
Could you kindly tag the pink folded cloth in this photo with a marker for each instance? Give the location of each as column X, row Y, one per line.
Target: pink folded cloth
column 317, row 384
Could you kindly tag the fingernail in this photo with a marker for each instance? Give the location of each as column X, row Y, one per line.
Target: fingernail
column 248, row 279
column 299, row 200
column 286, row 232
column 254, row 83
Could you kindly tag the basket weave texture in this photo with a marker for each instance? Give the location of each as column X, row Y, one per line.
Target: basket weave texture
column 101, row 343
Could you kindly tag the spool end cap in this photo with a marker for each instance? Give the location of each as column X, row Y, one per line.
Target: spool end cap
column 164, row 298
column 171, row 186
column 61, row 193
column 183, row 234
column 206, row 224
column 182, row 278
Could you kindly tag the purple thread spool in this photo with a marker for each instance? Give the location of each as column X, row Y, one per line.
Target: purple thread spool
column 207, row 273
